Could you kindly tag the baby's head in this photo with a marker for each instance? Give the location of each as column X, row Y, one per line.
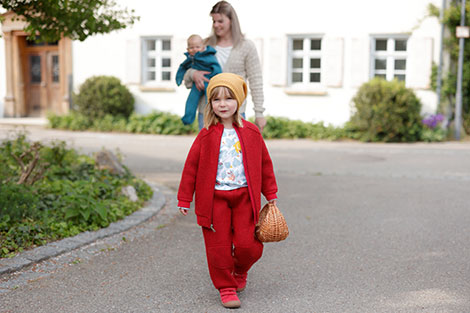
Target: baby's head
column 195, row 44
column 225, row 85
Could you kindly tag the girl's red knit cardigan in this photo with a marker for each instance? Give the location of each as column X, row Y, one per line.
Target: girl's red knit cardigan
column 200, row 170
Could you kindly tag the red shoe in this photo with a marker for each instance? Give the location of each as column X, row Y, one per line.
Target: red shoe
column 229, row 298
column 241, row 281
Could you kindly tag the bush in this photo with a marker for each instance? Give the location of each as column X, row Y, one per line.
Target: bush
column 72, row 195
column 386, row 111
column 102, row 95
column 281, row 127
column 153, row 123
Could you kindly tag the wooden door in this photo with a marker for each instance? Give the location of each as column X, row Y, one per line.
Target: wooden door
column 41, row 78
column 52, row 79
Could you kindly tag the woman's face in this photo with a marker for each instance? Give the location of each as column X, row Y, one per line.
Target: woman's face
column 221, row 24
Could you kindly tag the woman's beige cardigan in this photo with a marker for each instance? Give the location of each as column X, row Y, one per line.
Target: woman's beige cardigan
column 244, row 61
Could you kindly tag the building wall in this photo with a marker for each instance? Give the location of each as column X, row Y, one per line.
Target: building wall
column 346, row 24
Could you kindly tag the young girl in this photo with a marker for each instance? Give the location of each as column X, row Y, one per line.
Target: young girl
column 228, row 167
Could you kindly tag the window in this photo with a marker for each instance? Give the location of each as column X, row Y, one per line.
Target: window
column 304, row 60
column 389, row 56
column 156, row 60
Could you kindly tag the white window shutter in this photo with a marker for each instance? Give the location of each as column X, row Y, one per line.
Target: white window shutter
column 419, row 62
column 133, row 61
column 277, row 74
column 360, row 55
column 332, row 63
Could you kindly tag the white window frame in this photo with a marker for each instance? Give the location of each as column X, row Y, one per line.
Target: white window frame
column 390, row 56
column 306, row 54
column 159, row 55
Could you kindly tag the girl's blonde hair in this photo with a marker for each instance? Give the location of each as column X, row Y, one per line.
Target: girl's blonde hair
column 210, row 118
column 225, row 8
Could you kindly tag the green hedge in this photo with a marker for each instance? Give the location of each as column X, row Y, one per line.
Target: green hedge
column 153, row 123
column 280, row 127
column 170, row 124
column 70, row 196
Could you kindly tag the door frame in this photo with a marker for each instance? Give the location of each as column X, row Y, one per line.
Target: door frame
column 14, row 37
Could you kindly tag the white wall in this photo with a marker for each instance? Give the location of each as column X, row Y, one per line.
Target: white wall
column 263, row 21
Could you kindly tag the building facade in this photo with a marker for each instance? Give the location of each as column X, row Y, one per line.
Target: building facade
column 314, row 55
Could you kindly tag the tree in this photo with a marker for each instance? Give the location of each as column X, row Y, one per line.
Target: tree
column 50, row 20
column 451, row 45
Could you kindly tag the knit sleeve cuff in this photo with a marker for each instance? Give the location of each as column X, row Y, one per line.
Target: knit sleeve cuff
column 259, row 114
column 184, row 204
column 271, row 196
column 258, row 110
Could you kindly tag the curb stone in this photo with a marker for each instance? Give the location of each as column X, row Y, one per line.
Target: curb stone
column 52, row 249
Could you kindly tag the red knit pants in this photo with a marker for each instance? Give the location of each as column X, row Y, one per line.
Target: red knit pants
column 233, row 246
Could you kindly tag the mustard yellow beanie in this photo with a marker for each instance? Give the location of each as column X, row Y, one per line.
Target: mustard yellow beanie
column 234, row 82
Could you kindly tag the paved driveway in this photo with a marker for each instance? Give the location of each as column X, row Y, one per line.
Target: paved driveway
column 374, row 228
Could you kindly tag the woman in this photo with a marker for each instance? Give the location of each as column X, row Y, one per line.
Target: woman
column 235, row 54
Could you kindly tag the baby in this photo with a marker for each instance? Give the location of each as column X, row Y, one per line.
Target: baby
column 199, row 58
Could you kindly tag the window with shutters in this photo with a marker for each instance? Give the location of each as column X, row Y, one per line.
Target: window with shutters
column 389, row 57
column 305, row 60
column 156, row 60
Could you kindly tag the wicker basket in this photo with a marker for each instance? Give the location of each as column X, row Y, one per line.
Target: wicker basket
column 271, row 226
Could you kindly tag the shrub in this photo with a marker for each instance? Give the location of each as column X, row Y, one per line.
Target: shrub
column 17, row 202
column 71, row 196
column 101, row 95
column 432, row 129
column 153, row 123
column 386, row 111
column 281, row 127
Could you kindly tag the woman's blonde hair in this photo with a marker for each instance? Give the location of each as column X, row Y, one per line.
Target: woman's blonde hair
column 225, row 8
column 210, row 118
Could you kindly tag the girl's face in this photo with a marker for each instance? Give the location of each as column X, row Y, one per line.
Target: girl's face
column 224, row 106
column 221, row 24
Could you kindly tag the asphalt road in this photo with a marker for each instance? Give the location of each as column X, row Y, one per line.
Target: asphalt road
column 374, row 228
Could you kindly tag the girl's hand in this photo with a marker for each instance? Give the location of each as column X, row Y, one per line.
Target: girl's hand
column 273, row 202
column 184, row 211
column 199, row 79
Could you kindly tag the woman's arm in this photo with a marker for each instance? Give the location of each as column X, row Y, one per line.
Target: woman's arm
column 255, row 80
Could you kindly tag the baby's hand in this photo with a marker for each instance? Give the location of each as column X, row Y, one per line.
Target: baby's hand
column 184, row 211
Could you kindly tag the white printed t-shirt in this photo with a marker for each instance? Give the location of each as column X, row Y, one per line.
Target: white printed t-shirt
column 230, row 170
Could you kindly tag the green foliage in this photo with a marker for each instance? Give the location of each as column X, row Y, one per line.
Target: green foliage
column 72, row 196
column 104, row 95
column 72, row 121
column 386, row 111
column 49, row 20
column 170, row 124
column 449, row 80
column 159, row 123
column 280, row 127
column 18, row 201
column 153, row 123
column 433, row 135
